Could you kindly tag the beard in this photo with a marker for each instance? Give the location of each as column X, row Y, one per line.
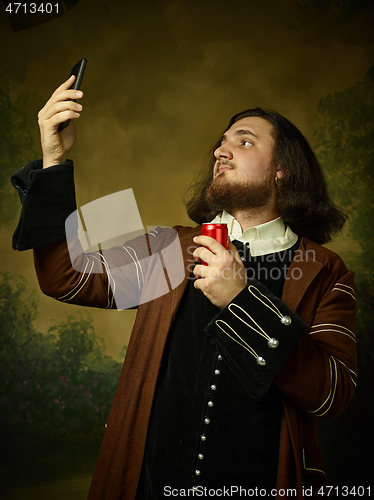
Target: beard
column 232, row 196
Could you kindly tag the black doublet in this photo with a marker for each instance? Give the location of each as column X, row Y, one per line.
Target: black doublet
column 206, row 429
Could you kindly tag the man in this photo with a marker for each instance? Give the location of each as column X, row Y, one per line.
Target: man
column 226, row 373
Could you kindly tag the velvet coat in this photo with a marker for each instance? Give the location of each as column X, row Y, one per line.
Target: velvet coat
column 318, row 378
column 317, row 375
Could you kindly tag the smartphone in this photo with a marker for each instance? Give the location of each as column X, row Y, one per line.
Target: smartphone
column 78, row 71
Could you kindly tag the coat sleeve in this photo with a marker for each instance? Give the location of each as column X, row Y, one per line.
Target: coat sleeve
column 312, row 362
column 325, row 359
column 256, row 333
column 111, row 279
column 121, row 277
column 48, row 198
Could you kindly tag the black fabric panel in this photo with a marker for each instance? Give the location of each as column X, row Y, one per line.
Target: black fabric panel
column 241, row 440
column 48, row 198
column 257, row 379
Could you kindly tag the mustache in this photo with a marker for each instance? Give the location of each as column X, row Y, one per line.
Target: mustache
column 225, row 162
column 220, row 163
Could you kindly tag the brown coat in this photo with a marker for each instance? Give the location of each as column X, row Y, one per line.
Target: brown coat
column 318, row 379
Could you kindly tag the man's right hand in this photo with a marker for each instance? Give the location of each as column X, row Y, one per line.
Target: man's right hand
column 58, row 109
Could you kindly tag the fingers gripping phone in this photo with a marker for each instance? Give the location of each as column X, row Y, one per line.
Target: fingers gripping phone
column 78, row 71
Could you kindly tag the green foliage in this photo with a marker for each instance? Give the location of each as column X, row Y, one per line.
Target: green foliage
column 16, row 144
column 345, row 148
column 55, row 389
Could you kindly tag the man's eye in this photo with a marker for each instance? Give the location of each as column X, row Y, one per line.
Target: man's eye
column 247, row 143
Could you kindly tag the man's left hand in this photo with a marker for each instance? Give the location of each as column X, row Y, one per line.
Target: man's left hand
column 224, row 276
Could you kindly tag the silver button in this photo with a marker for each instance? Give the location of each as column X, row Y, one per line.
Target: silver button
column 261, row 361
column 203, row 437
column 201, row 456
column 216, row 372
column 213, row 387
column 210, row 403
column 207, row 420
column 219, row 357
column 286, row 320
column 197, row 472
column 273, row 343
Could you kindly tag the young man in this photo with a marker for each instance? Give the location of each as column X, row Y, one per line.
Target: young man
column 226, row 373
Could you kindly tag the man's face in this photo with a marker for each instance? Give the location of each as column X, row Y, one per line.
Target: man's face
column 243, row 175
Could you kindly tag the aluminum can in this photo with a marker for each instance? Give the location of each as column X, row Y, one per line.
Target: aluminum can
column 219, row 232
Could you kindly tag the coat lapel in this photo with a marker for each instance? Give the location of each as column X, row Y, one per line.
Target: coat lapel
column 303, row 270
column 187, row 247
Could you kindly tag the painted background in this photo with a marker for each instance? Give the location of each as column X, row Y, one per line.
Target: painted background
column 162, row 80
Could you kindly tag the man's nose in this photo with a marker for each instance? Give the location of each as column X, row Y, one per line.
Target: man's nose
column 223, row 152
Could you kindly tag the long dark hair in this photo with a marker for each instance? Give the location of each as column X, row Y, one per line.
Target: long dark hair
column 303, row 201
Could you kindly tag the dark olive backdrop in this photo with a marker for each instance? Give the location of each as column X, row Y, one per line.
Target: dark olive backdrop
column 162, row 80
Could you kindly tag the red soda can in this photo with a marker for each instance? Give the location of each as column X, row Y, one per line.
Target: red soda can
column 219, row 232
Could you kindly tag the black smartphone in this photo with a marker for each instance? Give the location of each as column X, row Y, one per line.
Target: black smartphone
column 78, row 71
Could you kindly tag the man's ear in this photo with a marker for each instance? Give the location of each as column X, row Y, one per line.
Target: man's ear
column 280, row 173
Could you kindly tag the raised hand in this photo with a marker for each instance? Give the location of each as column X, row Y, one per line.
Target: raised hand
column 58, row 109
